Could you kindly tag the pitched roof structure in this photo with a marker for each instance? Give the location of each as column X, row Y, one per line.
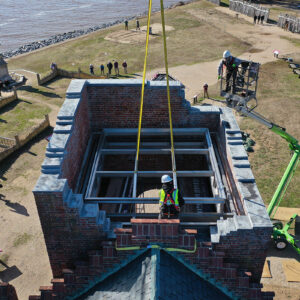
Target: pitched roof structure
column 154, row 275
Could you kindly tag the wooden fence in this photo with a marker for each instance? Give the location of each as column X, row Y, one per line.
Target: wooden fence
column 289, row 23
column 249, row 9
column 6, row 100
column 8, row 146
column 64, row 73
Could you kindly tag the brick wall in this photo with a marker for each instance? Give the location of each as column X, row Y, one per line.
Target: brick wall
column 68, row 234
column 118, row 106
column 77, row 143
column 7, row 292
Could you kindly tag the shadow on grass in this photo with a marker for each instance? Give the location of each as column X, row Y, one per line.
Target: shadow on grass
column 11, row 106
column 126, row 76
column 224, row 4
column 15, row 206
column 6, row 164
column 31, row 89
column 288, row 252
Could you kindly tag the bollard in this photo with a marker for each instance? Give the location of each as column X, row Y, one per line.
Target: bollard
column 195, row 99
column 17, row 140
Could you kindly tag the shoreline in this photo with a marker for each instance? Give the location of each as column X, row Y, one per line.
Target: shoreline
column 66, row 36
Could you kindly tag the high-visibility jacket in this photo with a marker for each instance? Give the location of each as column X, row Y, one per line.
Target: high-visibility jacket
column 169, row 198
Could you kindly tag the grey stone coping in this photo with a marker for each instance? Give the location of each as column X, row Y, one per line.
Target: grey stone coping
column 229, row 117
column 50, row 183
column 75, row 88
column 205, row 109
column 255, row 210
column 58, row 142
column 238, row 152
column 64, row 122
column 62, row 128
column 52, row 162
column 68, row 109
column 254, row 205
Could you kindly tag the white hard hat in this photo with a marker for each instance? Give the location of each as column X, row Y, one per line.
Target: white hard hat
column 166, row 178
column 226, row 54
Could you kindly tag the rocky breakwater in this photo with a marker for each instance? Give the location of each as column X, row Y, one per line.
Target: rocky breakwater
column 76, row 33
column 57, row 39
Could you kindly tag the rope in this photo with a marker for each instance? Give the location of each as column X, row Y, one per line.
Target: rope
column 168, row 92
column 143, row 86
column 155, row 246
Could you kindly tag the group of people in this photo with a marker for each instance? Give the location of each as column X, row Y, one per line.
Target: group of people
column 137, row 25
column 258, row 19
column 110, row 65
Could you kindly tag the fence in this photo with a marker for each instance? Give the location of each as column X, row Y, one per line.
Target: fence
column 64, row 73
column 8, row 146
column 6, row 100
column 249, row 9
column 289, row 23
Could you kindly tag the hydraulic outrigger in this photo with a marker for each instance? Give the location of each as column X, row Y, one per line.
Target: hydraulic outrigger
column 239, row 102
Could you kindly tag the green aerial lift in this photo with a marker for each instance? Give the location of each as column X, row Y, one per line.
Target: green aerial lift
column 239, row 102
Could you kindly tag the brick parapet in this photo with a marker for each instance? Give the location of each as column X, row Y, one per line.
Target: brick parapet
column 245, row 237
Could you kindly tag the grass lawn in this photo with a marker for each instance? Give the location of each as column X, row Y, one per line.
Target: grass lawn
column 279, row 102
column 19, row 116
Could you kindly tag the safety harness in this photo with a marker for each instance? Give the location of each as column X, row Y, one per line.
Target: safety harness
column 170, row 198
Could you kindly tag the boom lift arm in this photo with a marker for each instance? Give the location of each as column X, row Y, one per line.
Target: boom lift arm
column 280, row 233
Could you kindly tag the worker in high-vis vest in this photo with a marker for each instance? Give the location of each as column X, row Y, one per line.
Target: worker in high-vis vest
column 170, row 199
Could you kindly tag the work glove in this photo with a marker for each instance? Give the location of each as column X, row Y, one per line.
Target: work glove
column 219, row 77
column 233, row 65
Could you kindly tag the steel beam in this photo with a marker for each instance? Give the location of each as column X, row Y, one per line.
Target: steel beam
column 154, row 144
column 134, row 200
column 215, row 166
column 154, row 131
column 95, row 166
column 205, row 173
column 153, row 151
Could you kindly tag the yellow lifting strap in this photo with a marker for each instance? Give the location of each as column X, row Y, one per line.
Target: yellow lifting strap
column 168, row 89
column 143, row 84
column 162, row 11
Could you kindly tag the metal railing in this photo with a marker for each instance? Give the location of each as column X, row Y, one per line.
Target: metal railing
column 289, row 23
column 249, row 9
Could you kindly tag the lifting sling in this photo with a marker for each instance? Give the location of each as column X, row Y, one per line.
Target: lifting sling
column 168, row 91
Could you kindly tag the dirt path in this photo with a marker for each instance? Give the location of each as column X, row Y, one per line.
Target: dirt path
column 263, row 40
column 24, row 251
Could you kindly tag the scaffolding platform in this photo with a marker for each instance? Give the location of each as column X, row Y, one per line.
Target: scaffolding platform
column 244, row 88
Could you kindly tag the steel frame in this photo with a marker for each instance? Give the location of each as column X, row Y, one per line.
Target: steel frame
column 154, row 148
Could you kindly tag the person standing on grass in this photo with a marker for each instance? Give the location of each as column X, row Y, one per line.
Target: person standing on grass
column 258, row 19
column 102, row 69
column 116, row 67
column 126, row 24
column 138, row 24
column 124, row 65
column 109, row 67
column 91, row 69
